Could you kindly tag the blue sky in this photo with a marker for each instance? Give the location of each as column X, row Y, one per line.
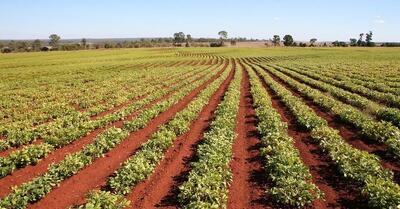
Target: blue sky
column 327, row 20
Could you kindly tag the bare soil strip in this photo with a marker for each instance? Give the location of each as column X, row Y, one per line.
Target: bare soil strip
column 338, row 193
column 72, row 190
column 249, row 178
column 160, row 189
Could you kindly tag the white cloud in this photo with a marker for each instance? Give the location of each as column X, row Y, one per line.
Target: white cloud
column 379, row 20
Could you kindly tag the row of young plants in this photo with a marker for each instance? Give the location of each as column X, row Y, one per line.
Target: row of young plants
column 283, row 164
column 142, row 164
column 29, row 106
column 388, row 98
column 33, row 153
column 37, row 188
column 210, row 176
column 373, row 84
column 378, row 78
column 104, row 87
column 24, row 137
column 18, row 137
column 380, row 131
column 385, row 113
column 373, row 71
column 376, row 183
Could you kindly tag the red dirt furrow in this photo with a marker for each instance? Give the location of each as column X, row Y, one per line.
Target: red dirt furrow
column 249, row 178
column 349, row 133
column 338, row 193
column 27, row 173
column 161, row 188
column 72, row 190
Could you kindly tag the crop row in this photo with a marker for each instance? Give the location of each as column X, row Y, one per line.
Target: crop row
column 383, row 132
column 384, row 113
column 59, row 97
column 142, row 164
column 390, row 99
column 40, row 105
column 17, row 137
column 375, row 84
column 376, row 183
column 32, row 153
column 291, row 178
column 208, row 181
column 37, row 188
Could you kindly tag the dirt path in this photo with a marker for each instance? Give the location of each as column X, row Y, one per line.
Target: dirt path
column 248, row 185
column 338, row 193
column 72, row 190
column 161, row 188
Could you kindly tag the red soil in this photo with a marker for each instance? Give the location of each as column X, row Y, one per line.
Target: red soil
column 248, row 186
column 29, row 172
column 349, row 133
column 161, row 188
column 72, row 190
column 338, row 192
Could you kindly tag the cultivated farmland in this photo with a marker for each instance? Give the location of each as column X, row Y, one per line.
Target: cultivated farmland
column 201, row 128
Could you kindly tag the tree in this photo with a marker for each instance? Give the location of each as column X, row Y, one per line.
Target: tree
column 368, row 39
column 54, row 39
column 276, row 40
column 83, row 43
column 353, row 42
column 179, row 37
column 36, row 45
column 312, row 41
column 360, row 41
column 189, row 38
column 288, row 40
column 222, row 36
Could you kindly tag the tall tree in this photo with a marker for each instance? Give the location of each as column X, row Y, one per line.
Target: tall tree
column 368, row 39
column 179, row 37
column 288, row 40
column 189, row 38
column 312, row 41
column 54, row 39
column 83, row 43
column 353, row 42
column 360, row 41
column 276, row 40
column 223, row 35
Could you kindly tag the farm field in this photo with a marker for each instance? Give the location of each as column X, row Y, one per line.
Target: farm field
column 201, row 128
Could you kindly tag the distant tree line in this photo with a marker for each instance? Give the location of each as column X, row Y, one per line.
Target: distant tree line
column 179, row 39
